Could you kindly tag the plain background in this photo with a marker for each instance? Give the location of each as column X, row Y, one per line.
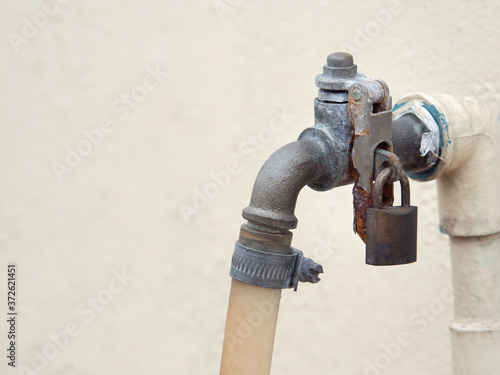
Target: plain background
column 229, row 66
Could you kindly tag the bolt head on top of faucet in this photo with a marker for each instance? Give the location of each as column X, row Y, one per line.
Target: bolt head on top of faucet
column 341, row 65
column 339, row 74
column 340, row 60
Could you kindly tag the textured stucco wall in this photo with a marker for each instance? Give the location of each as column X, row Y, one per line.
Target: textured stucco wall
column 205, row 83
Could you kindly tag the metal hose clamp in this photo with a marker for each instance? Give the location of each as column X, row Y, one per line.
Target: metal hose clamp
column 270, row 270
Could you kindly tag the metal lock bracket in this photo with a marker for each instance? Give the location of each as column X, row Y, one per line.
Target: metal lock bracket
column 370, row 114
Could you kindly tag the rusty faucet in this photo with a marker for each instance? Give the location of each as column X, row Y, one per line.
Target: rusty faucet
column 351, row 142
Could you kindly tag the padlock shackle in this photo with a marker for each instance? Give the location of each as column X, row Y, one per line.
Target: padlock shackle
column 378, row 188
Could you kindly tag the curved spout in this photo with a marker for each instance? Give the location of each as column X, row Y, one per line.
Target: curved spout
column 308, row 161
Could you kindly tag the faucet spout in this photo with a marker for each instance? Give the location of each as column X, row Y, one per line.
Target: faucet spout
column 307, row 161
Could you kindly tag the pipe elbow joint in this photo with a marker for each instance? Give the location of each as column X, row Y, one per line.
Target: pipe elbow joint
column 466, row 168
column 308, row 161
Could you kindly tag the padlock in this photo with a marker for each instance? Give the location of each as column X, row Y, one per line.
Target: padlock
column 391, row 232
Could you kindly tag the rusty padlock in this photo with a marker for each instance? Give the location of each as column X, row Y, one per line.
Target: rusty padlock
column 391, row 232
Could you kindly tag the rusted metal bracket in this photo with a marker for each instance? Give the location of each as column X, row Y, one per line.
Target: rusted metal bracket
column 371, row 117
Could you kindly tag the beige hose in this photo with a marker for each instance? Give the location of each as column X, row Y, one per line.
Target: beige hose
column 250, row 327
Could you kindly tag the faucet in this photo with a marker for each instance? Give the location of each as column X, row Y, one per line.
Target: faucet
column 356, row 139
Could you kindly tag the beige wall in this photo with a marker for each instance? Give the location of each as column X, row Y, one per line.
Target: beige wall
column 203, row 82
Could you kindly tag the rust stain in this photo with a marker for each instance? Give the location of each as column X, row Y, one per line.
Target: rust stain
column 362, row 201
column 363, row 132
column 388, row 195
column 354, row 108
column 361, row 198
